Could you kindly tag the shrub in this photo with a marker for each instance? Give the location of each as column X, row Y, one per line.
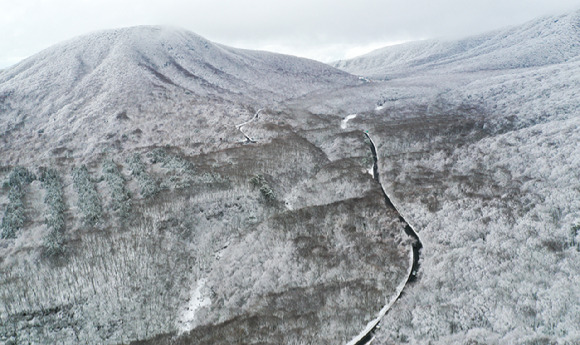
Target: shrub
column 267, row 193
column 259, row 181
column 89, row 202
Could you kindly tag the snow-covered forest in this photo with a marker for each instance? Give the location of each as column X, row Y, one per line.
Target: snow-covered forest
column 134, row 209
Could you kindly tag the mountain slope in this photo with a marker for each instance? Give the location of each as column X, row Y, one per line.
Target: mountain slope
column 134, row 209
column 539, row 42
column 477, row 147
column 166, row 56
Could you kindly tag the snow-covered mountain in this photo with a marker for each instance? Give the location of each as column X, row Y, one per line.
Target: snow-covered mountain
column 541, row 42
column 99, row 84
column 519, row 76
column 163, row 189
column 164, row 57
column 154, row 187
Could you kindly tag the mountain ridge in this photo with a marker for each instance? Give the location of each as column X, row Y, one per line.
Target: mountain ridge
column 172, row 49
column 129, row 180
column 540, row 42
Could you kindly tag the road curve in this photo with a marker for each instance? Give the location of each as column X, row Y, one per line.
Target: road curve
column 367, row 335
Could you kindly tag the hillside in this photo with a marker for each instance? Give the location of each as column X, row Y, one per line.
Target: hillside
column 478, row 147
column 134, row 209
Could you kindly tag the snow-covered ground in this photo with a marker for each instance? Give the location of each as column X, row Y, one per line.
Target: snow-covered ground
column 197, row 300
column 497, row 220
column 385, row 309
column 113, row 87
column 483, row 159
column 344, row 122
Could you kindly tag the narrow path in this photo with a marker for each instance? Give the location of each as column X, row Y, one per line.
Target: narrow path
column 241, row 125
column 368, row 334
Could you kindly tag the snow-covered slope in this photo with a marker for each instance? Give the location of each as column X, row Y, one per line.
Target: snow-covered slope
column 133, row 209
column 539, row 42
column 518, row 77
column 479, row 149
column 93, row 85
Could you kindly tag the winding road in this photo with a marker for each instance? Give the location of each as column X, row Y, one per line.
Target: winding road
column 368, row 334
column 239, row 127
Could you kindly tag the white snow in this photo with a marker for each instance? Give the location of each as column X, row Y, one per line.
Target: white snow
column 394, row 298
column 346, row 119
column 255, row 117
column 197, row 301
column 505, row 204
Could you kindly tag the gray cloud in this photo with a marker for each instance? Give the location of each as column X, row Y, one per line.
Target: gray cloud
column 321, row 29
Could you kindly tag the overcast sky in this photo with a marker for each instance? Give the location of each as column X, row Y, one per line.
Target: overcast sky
column 320, row 29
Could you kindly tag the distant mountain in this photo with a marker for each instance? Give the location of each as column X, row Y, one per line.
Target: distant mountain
column 537, row 43
column 167, row 57
column 93, row 85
